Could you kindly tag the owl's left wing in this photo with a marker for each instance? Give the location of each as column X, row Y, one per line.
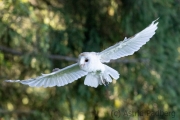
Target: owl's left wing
column 130, row 45
column 60, row 77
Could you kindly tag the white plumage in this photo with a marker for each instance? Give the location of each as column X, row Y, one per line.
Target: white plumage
column 130, row 45
column 57, row 78
column 91, row 63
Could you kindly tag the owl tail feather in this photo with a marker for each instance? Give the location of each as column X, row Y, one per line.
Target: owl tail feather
column 95, row 79
column 110, row 72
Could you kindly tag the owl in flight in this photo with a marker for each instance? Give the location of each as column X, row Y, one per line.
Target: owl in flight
column 91, row 64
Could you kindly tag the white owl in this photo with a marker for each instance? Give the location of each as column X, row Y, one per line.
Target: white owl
column 92, row 64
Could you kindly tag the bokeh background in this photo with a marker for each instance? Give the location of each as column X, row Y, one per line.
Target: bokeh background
column 39, row 35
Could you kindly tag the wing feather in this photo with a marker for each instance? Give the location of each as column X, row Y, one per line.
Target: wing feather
column 57, row 78
column 130, row 45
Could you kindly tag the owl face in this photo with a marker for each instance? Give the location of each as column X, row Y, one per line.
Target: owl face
column 89, row 61
column 84, row 61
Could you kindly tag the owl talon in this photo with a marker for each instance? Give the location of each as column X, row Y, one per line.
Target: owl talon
column 106, row 83
column 103, row 80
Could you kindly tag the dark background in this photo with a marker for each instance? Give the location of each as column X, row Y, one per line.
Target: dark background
column 39, row 35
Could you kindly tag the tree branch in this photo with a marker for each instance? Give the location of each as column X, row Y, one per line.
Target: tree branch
column 11, row 51
column 60, row 57
column 55, row 57
column 72, row 59
column 2, row 111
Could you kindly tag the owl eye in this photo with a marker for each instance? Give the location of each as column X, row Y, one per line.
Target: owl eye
column 86, row 60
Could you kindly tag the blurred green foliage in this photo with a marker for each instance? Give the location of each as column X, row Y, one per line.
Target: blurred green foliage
column 30, row 30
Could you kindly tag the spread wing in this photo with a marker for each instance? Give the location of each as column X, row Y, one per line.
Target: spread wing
column 60, row 77
column 130, row 45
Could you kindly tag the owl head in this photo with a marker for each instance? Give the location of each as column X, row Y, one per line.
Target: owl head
column 86, row 60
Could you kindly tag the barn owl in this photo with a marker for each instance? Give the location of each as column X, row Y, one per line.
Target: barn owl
column 92, row 64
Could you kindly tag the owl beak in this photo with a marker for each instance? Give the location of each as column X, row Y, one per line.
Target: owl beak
column 81, row 65
column 81, row 62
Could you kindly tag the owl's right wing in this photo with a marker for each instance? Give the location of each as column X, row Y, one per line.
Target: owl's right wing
column 60, row 77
